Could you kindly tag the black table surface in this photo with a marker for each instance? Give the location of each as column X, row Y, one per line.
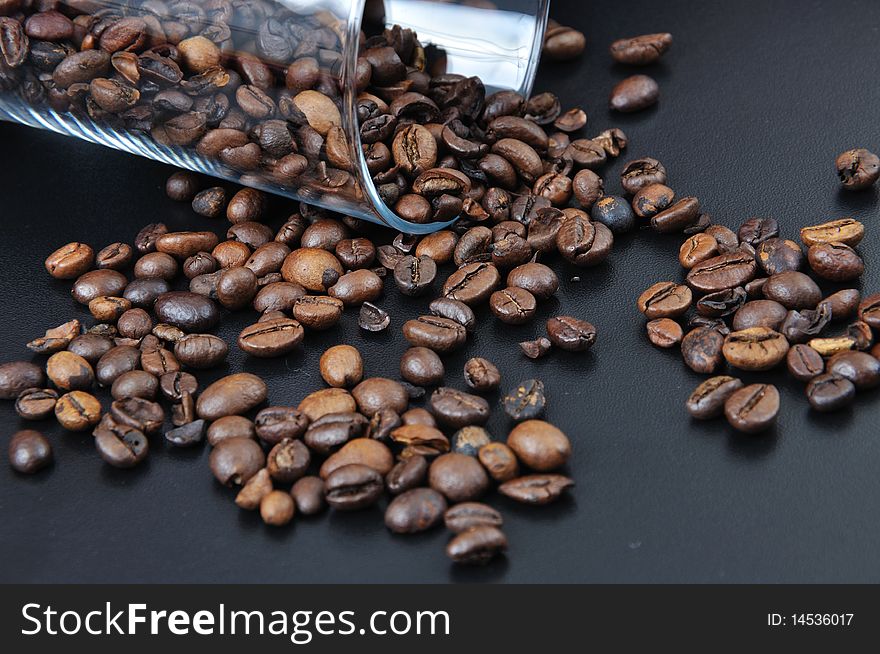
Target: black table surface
column 757, row 100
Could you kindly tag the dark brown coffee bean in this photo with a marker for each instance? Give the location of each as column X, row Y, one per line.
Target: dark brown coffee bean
column 721, row 303
column 793, row 290
column 680, row 215
column 801, row 326
column 513, row 305
column 571, row 334
column 837, row 262
column 526, row 401
column 188, row 311
column 439, row 246
column 333, row 430
column 308, row 495
column 144, row 415
column 277, row 508
column 115, row 256
column 469, row 515
column 36, row 403
column 753, row 408
column 755, row 231
column 587, row 187
column 722, row 272
column 187, row 435
column 481, row 375
column 98, row 283
column 634, row 94
column 665, row 300
column 538, row 279
column 701, row 349
column 562, row 43
column 842, row 304
column 115, row 362
column 271, row 338
column 804, row 362
column 477, row 546
column 377, row 393
column 414, row 275
column 29, row 451
column 776, row 255
column 18, row 376
column 274, row 424
column 458, row 477
column 407, row 474
column 288, row 461
column 373, row 319
column 353, row 487
column 421, row 366
column 230, row 427
column 231, row 395
column 760, row 313
column 235, row 460
column 201, row 351
column 415, row 510
column 211, row 202
column 862, row 369
column 857, row 169
column 829, row 392
column 641, row 50
column 536, row 489
column 456, row 409
column 439, row 334
column 121, row 446
column 143, row 293
column 317, row 311
column 135, row 383
column 707, row 400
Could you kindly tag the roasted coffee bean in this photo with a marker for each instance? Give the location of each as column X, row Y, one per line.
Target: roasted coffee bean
column 755, row 348
column 539, row 445
column 276, row 423
column 36, row 403
column 353, row 487
column 845, row 230
column 868, row 312
column 468, row 440
column 830, row 346
column 753, row 408
column 698, row 248
column 664, row 332
column 70, row 261
column 701, row 349
column 615, row 213
column 373, row 319
column 804, row 362
column 29, row 451
column 801, row 326
column 641, row 50
column 317, row 311
column 382, row 424
column 640, row 173
column 481, row 375
column 842, row 304
column 341, row 366
column 271, row 338
column 211, row 202
column 77, row 411
column 454, row 310
column 56, row 338
column 755, row 231
column 634, row 94
column 665, row 300
column 420, row 439
column 538, row 279
column 115, row 362
column 513, row 305
column 536, row 489
column 307, row 266
column 439, row 334
column 477, row 546
column 188, row 311
column 97, row 283
column 837, row 262
column 456, row 409
column 230, row 427
column 726, row 238
column 571, row 121
column 857, row 169
column 185, row 244
column 115, row 256
column 231, row 395
column 415, row 510
column 544, row 228
column 135, row 383
column 278, row 296
column 188, row 435
column 377, row 393
column 143, row 293
column 469, row 515
column 861, row 333
column 414, row 275
column 651, row 199
column 760, row 313
column 134, row 323
column 721, row 303
column 333, row 430
column 583, row 243
column 793, row 290
column 439, row 246
column 182, row 186
column 144, row 415
column 267, row 258
column 17, row 376
column 571, row 334
column 526, row 401
column 562, row 43
column 355, row 253
column 587, row 187
column 472, row 284
column 612, row 140
column 460, row 478
column 277, row 508
column 235, row 460
column 421, row 366
column 407, row 474
column 288, row 461
column 722, row 272
column 91, row 347
column 679, row 216
column 109, row 309
column 308, row 495
column 236, row 287
column 776, row 255
column 121, row 446
column 327, row 400
column 862, row 369
column 246, row 205
column 829, row 392
column 472, row 246
column 201, row 351
column 707, row 400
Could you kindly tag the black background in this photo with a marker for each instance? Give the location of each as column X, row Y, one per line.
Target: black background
column 757, row 99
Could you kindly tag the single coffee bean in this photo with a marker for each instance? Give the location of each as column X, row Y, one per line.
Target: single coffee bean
column 641, row 50
column 526, row 401
column 341, row 366
column 456, row 409
column 845, row 230
column 317, row 312
column 460, row 478
column 253, row 492
column 420, row 439
column 414, row 275
column 828, row 347
column 652, row 199
column 77, row 411
column 210, row 203
column 539, row 445
column 513, row 305
column 776, row 255
column 454, row 310
column 755, row 348
column 333, row 430
column 421, row 366
column 721, row 303
column 726, row 238
column 143, row 293
column 801, row 326
column 842, row 304
column 288, row 461
column 500, row 461
column 134, row 323
column 707, row 400
column 276, row 423
column 277, row 508
column 415, row 510
column 698, row 248
column 145, row 240
column 378, row 393
column 571, row 334
column 793, row 290
column 144, row 415
column 537, row 348
column 121, row 446
column 156, row 265
column 615, row 213
column 753, row 408
column 308, row 495
column 362, row 451
column 355, row 253
column 665, row 300
column 468, row 440
column 230, row 427
column 829, row 392
column 759, row 313
column 804, row 363
column 56, row 338
column 862, row 369
column 722, row 272
column 634, row 94
column 481, row 375
column 97, row 283
column 201, row 351
column 188, row 311
column 438, row 246
column 115, row 256
column 278, row 296
column 472, row 284
column 439, row 334
column 234, row 461
column 135, row 383
column 306, row 267
column 562, row 43
column 36, row 403
column 17, row 376
column 587, row 187
column 373, row 319
column 182, row 185
column 664, row 332
column 69, row 371
column 327, row 400
column 407, row 474
column 469, row 515
column 231, row 395
column 357, row 287
column 701, row 349
column 477, row 546
column 90, row 347
column 837, row 262
column 536, row 489
column 236, row 287
column 353, row 487
column 755, row 231
column 70, row 261
column 248, row 204
column 868, row 312
column 641, row 173
column 29, row 451
column 188, row 435
column 857, row 169
column 679, row 217
column 271, row 338
column 115, row 362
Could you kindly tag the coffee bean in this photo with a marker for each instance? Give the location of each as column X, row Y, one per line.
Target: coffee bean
column 143, row 293
column 615, row 213
column 829, row 392
column 804, row 363
column 235, row 460
column 277, row 508
column 341, row 366
column 362, row 451
column 306, row 267
column 274, row 424
column 188, row 435
column 634, row 94
column 421, row 366
column 857, row 169
column 513, row 305
column 828, row 347
column 755, row 231
column 353, row 487
column 793, row 290
column 707, row 400
column 201, row 351
column 317, row 312
column 377, row 393
column 776, row 255
column 70, row 261
column 135, row 383
column 373, row 319
column 98, row 283
column 144, row 415
column 308, row 495
column 253, row 492
column 420, row 439
column 436, row 333
column 759, row 313
column 837, row 262
column 77, row 411
column 755, row 348
column 115, row 256
column 721, row 303
column 477, row 546
column 121, row 446
column 701, row 349
column 272, row 338
column 562, row 43
column 481, row 375
column 36, row 403
column 333, row 430
column 407, row 474
column 415, row 510
column 288, row 460
column 641, row 173
column 539, row 445
column 845, row 230
column 641, row 50
column 842, row 304
column 458, row 477
column 862, row 369
column 587, row 187
column 454, row 310
column 231, row 395
column 188, row 311
column 537, row 348
column 210, row 203
column 698, row 248
column 230, row 427
column 182, row 186
column 472, row 284
column 145, row 240
column 753, row 408
column 414, row 275
column 664, row 332
column 652, row 199
column 722, row 272
column 571, row 334
column 456, row 409
column 29, row 451
column 536, row 489
column 17, row 376
column 135, row 324
column 438, row 246
column 801, row 326
column 665, row 300
column 526, row 401
column 327, row 400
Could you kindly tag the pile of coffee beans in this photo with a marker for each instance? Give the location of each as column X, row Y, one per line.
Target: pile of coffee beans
column 756, row 303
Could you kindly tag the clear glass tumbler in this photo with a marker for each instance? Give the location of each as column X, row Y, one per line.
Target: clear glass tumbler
column 268, row 93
